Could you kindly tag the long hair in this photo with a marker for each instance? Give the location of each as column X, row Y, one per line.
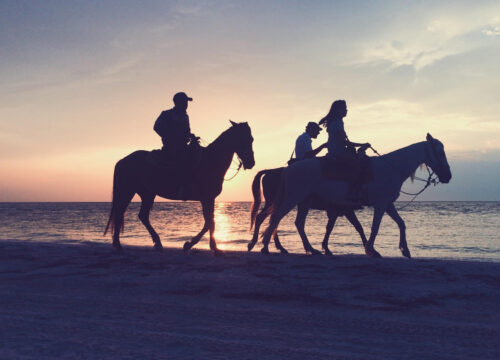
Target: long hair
column 337, row 105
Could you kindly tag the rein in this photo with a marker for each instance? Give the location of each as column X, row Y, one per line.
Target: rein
column 428, row 182
column 237, row 170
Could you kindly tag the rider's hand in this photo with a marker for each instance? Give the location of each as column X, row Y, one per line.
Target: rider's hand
column 193, row 139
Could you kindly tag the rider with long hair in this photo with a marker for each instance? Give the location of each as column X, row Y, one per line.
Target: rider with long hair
column 340, row 148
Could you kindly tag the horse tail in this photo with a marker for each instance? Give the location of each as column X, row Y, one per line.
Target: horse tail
column 116, row 214
column 278, row 201
column 257, row 198
column 111, row 221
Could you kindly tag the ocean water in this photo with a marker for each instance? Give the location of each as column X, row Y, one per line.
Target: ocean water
column 451, row 230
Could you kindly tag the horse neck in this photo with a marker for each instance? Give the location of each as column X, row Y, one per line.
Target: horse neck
column 219, row 155
column 406, row 160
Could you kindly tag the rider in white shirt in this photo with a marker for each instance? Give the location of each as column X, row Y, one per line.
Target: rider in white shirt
column 303, row 144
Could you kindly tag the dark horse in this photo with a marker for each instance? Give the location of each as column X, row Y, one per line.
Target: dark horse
column 270, row 185
column 137, row 174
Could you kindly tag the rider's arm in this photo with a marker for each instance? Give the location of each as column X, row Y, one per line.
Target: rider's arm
column 366, row 145
column 314, row 152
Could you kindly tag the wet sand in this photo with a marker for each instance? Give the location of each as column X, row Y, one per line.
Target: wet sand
column 66, row 300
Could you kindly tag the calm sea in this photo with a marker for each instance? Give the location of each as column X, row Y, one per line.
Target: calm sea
column 458, row 230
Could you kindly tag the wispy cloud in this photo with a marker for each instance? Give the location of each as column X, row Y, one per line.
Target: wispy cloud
column 492, row 30
column 424, row 41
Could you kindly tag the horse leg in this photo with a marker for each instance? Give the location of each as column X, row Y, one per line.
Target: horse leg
column 332, row 218
column 403, row 246
column 353, row 219
column 377, row 218
column 258, row 222
column 278, row 245
column 300, row 223
column 276, row 217
column 119, row 217
column 206, row 215
column 208, row 211
column 146, row 206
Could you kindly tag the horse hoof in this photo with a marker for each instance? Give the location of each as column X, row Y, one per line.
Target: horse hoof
column 251, row 245
column 264, row 250
column 328, row 252
column 405, row 252
column 118, row 247
column 158, row 247
column 283, row 251
column 313, row 251
column 218, row 252
column 187, row 246
column 372, row 253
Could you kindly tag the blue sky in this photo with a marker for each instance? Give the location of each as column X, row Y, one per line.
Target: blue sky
column 83, row 82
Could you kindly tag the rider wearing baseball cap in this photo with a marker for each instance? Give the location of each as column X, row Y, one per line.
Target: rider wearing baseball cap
column 173, row 127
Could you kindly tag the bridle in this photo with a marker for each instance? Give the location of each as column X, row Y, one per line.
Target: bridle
column 430, row 180
column 240, row 162
column 433, row 153
column 237, row 169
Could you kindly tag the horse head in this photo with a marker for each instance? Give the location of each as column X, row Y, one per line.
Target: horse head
column 243, row 140
column 436, row 159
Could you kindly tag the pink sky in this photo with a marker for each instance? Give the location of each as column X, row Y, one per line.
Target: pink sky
column 82, row 85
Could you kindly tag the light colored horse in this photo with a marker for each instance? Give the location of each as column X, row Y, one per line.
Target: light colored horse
column 304, row 178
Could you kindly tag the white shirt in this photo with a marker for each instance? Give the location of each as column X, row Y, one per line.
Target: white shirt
column 302, row 146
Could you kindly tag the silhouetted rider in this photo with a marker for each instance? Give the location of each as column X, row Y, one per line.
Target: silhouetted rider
column 303, row 144
column 340, row 148
column 173, row 126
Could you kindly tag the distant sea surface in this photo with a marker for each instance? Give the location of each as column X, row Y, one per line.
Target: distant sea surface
column 451, row 230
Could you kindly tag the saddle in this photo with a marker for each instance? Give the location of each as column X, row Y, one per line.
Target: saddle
column 170, row 159
column 160, row 159
column 358, row 170
column 180, row 170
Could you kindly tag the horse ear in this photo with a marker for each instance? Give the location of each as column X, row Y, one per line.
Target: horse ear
column 429, row 137
column 232, row 122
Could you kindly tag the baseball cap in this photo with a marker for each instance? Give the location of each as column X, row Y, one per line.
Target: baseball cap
column 313, row 125
column 181, row 96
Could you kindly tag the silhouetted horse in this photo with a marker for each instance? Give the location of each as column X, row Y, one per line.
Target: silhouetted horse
column 304, row 178
column 137, row 174
column 270, row 184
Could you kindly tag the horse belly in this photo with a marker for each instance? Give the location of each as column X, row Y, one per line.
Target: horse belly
column 332, row 191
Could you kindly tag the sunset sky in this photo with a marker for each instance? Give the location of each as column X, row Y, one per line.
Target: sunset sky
column 82, row 82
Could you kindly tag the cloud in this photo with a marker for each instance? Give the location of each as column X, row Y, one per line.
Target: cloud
column 493, row 30
column 424, row 40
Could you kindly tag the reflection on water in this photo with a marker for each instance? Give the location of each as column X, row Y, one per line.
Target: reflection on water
column 464, row 230
column 222, row 227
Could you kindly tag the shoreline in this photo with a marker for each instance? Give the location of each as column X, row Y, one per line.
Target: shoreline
column 84, row 300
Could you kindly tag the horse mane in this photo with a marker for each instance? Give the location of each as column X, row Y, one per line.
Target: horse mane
column 225, row 133
column 412, row 176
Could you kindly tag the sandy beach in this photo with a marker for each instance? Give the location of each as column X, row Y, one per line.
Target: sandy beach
column 65, row 300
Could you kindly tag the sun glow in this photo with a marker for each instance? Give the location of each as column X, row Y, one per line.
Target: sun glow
column 222, row 226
